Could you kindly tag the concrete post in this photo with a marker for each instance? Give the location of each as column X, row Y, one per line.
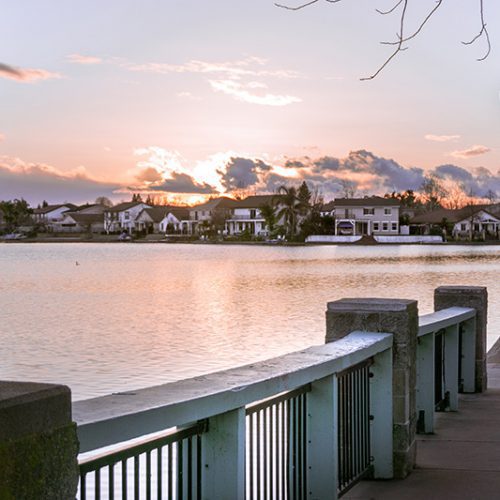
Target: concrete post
column 399, row 317
column 476, row 297
column 38, row 443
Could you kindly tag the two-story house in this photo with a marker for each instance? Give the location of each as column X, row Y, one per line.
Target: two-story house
column 214, row 211
column 371, row 216
column 122, row 217
column 246, row 216
column 52, row 215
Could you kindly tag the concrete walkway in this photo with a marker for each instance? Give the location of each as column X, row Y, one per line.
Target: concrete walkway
column 461, row 461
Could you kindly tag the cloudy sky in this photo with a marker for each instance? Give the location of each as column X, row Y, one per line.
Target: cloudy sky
column 191, row 98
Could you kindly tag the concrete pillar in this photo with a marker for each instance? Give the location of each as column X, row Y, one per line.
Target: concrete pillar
column 476, row 297
column 399, row 317
column 38, row 443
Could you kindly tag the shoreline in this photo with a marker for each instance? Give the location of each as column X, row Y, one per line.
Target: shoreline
column 247, row 243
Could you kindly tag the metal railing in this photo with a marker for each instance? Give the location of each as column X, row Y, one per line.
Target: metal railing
column 276, row 465
column 166, row 467
column 445, row 362
column 290, row 428
column 354, row 425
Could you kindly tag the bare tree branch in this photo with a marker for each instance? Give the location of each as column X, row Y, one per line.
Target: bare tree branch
column 401, row 39
column 287, row 7
column 483, row 31
column 392, row 9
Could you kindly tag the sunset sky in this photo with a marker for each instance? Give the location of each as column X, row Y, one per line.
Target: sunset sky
column 191, row 98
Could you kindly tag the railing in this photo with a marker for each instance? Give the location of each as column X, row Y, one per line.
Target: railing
column 445, row 362
column 272, row 430
column 354, row 425
column 164, row 467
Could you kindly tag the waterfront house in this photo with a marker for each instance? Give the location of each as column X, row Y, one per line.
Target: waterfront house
column 328, row 209
column 174, row 220
column 366, row 216
column 122, row 217
column 51, row 215
column 467, row 223
column 88, row 219
column 214, row 212
column 245, row 215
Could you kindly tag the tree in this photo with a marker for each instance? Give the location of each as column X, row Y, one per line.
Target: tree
column 304, row 198
column 433, row 193
column 104, row 201
column 348, row 188
column 136, row 197
column 268, row 213
column 15, row 213
column 402, row 36
column 290, row 209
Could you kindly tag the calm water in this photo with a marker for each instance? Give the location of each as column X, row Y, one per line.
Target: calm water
column 133, row 315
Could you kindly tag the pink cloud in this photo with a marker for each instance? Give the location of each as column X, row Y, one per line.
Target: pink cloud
column 81, row 59
column 26, row 74
column 471, row 152
column 441, row 138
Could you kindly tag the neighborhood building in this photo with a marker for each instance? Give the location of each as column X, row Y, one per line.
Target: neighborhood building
column 122, row 217
column 52, row 214
column 372, row 215
column 471, row 222
column 245, row 216
column 88, row 219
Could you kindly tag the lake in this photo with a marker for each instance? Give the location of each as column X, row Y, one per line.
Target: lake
column 103, row 318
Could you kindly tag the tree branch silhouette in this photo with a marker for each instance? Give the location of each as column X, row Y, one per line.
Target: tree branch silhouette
column 401, row 39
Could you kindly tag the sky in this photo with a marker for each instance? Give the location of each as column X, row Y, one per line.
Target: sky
column 187, row 99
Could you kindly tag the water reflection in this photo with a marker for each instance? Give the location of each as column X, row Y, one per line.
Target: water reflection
column 135, row 315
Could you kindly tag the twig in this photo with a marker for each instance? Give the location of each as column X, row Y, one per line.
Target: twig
column 287, row 7
column 481, row 32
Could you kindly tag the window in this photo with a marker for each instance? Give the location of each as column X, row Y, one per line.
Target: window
column 126, row 216
column 394, row 226
column 463, row 226
column 252, row 213
column 385, row 226
column 376, row 226
column 387, row 211
column 368, row 211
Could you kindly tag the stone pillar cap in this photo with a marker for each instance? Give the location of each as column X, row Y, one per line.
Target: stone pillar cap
column 370, row 305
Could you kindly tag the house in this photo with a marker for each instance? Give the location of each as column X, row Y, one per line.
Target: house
column 473, row 221
column 245, row 215
column 212, row 212
column 89, row 219
column 52, row 215
column 328, row 209
column 122, row 217
column 174, row 220
column 372, row 215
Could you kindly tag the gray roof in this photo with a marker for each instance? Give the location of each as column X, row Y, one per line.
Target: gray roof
column 437, row 216
column 369, row 201
column 125, row 206
column 50, row 208
column 221, row 202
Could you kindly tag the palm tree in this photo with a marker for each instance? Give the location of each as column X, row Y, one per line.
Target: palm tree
column 268, row 213
column 290, row 209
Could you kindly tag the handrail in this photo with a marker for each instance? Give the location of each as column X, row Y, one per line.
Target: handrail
column 118, row 417
column 435, row 321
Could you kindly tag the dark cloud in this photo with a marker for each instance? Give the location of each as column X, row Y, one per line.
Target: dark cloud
column 326, row 163
column 182, row 183
column 149, row 174
column 241, row 173
column 36, row 182
column 453, row 172
column 25, row 74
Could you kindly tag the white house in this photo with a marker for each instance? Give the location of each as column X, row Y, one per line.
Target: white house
column 173, row 220
column 474, row 221
column 89, row 218
column 122, row 217
column 371, row 216
column 206, row 214
column 52, row 215
column 245, row 215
